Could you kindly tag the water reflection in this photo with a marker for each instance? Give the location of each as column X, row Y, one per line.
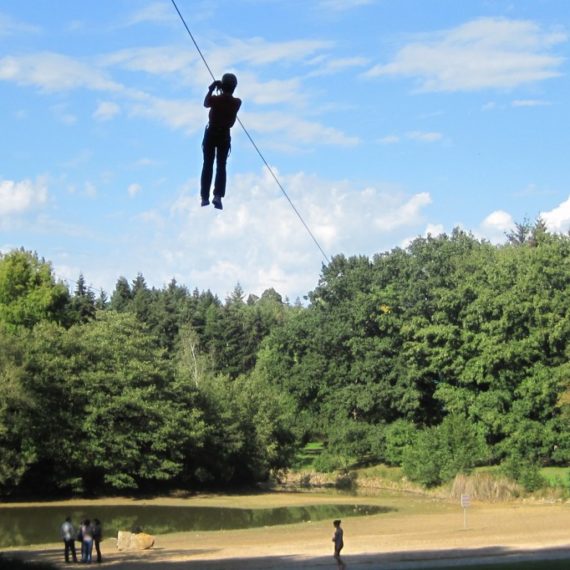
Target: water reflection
column 21, row 526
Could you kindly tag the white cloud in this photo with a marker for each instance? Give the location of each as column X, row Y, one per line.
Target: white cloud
column 405, row 213
column 18, row 197
column 418, row 136
column 529, row 103
column 134, row 189
column 54, row 72
column 331, row 66
column 177, row 114
column 157, row 12
column 558, row 219
column 259, row 241
column 342, row 5
column 145, row 162
column 106, row 110
column 152, row 217
column 10, row 27
column 272, row 92
column 160, row 60
column 235, row 53
column 63, row 115
column 260, row 52
column 297, row 129
column 389, row 139
column 90, row 190
column 422, row 136
column 434, row 230
column 488, row 53
column 495, row 225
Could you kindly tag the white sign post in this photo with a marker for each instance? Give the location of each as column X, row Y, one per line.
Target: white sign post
column 465, row 504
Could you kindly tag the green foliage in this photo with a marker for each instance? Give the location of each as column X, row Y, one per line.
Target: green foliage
column 328, row 462
column 28, row 291
column 441, row 452
column 451, row 326
column 110, row 415
column 306, row 456
column 248, row 435
column 524, row 471
column 556, row 476
column 381, row 471
column 399, row 436
column 83, row 304
column 17, row 449
column 441, row 356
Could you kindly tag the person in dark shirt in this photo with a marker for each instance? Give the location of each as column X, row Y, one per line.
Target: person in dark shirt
column 97, row 537
column 217, row 140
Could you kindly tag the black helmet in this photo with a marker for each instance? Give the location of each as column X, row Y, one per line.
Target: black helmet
column 229, row 82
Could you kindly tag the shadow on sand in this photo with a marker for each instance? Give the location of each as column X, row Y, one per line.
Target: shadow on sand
column 183, row 559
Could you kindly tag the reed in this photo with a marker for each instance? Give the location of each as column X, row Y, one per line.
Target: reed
column 484, row 486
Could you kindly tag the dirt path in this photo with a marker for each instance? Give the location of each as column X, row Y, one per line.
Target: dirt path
column 415, row 534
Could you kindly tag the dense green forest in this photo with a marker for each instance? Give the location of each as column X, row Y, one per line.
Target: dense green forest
column 440, row 357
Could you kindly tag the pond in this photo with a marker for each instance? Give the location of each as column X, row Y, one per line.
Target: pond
column 20, row 526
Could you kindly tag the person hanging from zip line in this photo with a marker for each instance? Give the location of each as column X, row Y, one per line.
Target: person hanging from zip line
column 217, row 140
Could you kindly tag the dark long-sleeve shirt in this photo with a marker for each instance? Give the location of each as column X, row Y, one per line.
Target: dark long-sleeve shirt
column 223, row 110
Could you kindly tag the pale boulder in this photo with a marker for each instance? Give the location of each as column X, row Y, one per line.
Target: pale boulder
column 134, row 541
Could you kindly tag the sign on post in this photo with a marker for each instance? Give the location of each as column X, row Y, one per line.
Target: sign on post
column 465, row 504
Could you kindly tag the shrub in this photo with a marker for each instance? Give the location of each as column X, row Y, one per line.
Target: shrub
column 524, row 471
column 439, row 453
column 399, row 436
column 327, row 462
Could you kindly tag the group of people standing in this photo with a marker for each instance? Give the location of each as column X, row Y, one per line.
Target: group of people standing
column 89, row 534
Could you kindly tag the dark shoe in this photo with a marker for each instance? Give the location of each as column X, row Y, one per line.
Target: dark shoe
column 217, row 201
column 205, row 203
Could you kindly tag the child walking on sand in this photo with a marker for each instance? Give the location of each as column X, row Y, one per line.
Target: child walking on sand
column 338, row 543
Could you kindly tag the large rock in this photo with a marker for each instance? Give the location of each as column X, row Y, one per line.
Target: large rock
column 134, row 541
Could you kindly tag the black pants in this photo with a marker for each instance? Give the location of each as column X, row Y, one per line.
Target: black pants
column 98, row 549
column 216, row 145
column 70, row 547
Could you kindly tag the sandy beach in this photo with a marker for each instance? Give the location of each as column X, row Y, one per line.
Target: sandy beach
column 416, row 533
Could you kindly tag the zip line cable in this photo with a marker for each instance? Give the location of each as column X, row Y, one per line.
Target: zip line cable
column 252, row 141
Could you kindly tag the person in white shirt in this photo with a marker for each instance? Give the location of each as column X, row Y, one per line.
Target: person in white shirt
column 68, row 536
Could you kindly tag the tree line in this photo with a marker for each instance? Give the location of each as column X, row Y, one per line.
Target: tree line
column 445, row 355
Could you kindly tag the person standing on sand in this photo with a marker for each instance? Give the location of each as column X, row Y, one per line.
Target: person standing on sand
column 338, row 539
column 97, row 537
column 87, row 538
column 68, row 535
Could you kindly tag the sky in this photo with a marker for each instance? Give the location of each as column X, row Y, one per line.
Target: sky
column 383, row 120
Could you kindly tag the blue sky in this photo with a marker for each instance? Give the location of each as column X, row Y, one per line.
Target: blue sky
column 383, row 119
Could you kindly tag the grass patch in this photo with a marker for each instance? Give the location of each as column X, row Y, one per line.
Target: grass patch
column 307, row 456
column 386, row 472
column 556, row 476
column 485, row 486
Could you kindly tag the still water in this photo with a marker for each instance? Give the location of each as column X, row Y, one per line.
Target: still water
column 20, row 526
